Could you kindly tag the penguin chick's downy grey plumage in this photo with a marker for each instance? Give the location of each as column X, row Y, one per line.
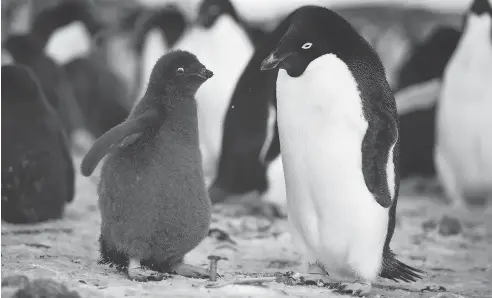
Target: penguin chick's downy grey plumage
column 37, row 169
column 152, row 196
column 338, row 130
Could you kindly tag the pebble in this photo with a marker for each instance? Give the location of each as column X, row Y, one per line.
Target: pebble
column 449, row 226
column 429, row 225
column 20, row 286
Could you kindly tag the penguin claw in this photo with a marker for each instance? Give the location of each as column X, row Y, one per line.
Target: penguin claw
column 356, row 289
column 334, row 285
column 134, row 275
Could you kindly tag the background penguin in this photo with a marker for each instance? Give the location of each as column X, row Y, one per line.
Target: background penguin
column 117, row 48
column 428, row 59
column 96, row 88
column 37, row 169
column 250, row 141
column 66, row 29
column 28, row 51
column 224, row 47
column 99, row 93
column 250, row 158
column 211, row 10
column 426, row 62
column 158, row 31
column 463, row 153
column 154, row 161
column 336, row 111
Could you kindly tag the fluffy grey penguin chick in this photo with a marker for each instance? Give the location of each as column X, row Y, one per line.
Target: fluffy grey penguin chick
column 152, row 197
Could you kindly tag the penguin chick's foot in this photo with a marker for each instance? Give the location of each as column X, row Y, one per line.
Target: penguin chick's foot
column 357, row 288
column 190, row 271
column 137, row 273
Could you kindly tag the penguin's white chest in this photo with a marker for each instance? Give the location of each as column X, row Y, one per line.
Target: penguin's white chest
column 69, row 42
column 321, row 127
column 464, row 121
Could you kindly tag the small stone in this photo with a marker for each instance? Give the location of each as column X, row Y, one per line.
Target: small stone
column 449, row 226
column 46, row 288
column 429, row 225
column 15, row 281
column 434, row 288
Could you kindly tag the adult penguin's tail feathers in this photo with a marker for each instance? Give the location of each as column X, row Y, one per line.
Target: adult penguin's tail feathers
column 398, row 271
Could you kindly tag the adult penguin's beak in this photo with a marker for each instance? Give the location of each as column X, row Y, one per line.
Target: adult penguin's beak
column 274, row 59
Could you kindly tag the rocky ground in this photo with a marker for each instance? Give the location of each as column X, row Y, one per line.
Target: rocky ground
column 453, row 247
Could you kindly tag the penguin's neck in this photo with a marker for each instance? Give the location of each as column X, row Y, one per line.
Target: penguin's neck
column 174, row 104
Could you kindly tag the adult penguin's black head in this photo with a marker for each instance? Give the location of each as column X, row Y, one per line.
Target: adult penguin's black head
column 313, row 31
column 479, row 17
column 178, row 72
column 211, row 10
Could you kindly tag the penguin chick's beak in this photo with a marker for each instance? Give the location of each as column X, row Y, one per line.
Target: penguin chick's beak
column 274, row 60
column 204, row 73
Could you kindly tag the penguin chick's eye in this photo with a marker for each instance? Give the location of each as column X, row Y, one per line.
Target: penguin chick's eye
column 307, row 45
column 180, row 71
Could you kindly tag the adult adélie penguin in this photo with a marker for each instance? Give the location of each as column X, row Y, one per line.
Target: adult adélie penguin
column 338, row 131
column 463, row 152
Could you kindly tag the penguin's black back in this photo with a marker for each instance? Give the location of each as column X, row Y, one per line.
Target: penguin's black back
column 99, row 93
column 37, row 169
column 28, row 51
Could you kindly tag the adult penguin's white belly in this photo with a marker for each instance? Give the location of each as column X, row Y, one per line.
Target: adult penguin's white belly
column 69, row 42
column 334, row 217
column 225, row 49
column 464, row 138
column 154, row 47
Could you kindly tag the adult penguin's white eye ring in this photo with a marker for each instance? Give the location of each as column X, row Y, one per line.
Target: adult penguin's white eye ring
column 180, row 71
column 307, row 45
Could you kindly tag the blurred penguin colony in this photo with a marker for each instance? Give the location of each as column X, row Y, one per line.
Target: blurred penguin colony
column 74, row 69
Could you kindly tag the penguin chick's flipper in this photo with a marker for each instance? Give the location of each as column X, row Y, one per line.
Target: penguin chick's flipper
column 190, row 271
column 357, row 288
column 137, row 273
column 377, row 148
column 117, row 137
